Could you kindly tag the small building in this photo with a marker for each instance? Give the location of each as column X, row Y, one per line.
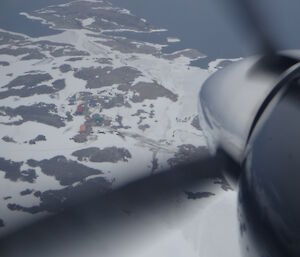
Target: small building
column 79, row 109
column 72, row 100
column 97, row 118
column 82, row 128
column 93, row 103
column 87, row 118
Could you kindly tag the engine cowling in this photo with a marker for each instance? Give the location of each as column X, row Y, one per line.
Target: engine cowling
column 251, row 112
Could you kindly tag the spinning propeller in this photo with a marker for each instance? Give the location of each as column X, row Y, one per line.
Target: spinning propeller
column 249, row 112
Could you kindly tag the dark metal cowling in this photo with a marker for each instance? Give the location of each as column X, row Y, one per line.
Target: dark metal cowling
column 251, row 112
column 269, row 196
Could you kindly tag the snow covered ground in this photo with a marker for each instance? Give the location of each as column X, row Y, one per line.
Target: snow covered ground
column 84, row 106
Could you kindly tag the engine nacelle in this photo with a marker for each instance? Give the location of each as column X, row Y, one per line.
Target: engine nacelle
column 240, row 109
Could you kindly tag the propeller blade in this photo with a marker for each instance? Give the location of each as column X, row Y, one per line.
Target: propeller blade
column 100, row 214
column 250, row 16
column 256, row 22
column 246, row 12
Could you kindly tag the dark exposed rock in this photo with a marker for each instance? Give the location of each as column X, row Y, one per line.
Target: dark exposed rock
column 74, row 59
column 224, row 184
column 152, row 114
column 1, row 223
column 65, row 68
column 29, row 80
column 68, row 52
column 198, row 195
column 30, row 53
column 8, row 139
column 37, row 194
column 80, row 138
column 14, row 173
column 105, row 101
column 195, row 123
column 141, row 120
column 65, row 171
column 34, row 55
column 106, row 17
column 109, row 154
column 108, row 102
column 26, row 192
column 46, row 44
column 83, row 96
column 187, row 154
column 148, row 91
column 56, row 200
column 144, row 127
column 119, row 120
column 4, row 63
column 37, row 139
column 25, row 92
column 145, row 90
column 7, row 38
column 34, row 72
column 124, row 87
column 103, row 77
column 59, row 84
column 104, row 60
column 14, row 207
column 29, row 175
column 69, row 116
column 41, row 112
column 139, row 112
column 7, row 198
column 125, row 45
column 28, row 85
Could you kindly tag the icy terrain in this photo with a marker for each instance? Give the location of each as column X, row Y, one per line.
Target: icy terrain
column 88, row 108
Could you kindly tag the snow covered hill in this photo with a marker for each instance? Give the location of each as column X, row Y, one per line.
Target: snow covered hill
column 89, row 107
